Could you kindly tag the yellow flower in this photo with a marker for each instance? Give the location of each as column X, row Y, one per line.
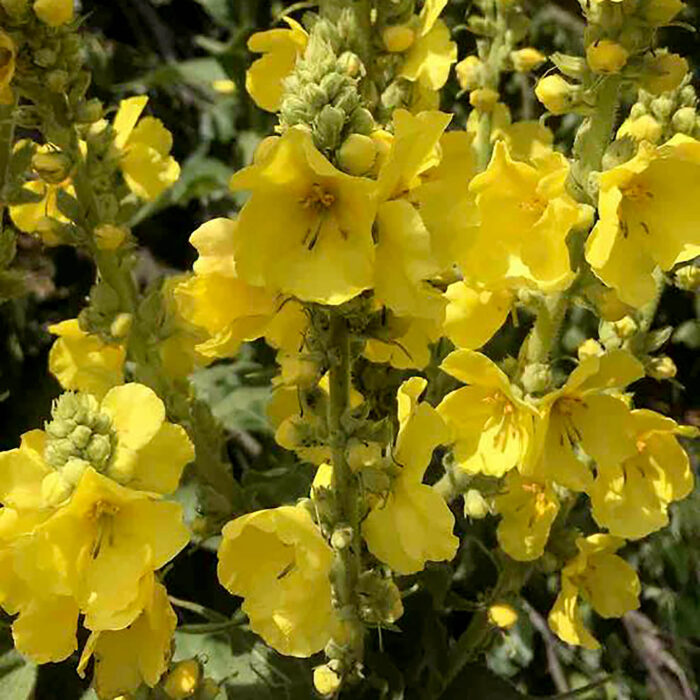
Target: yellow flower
column 430, row 56
column 125, row 437
column 526, row 215
column 491, row 425
column 298, row 410
column 442, row 197
column 229, row 309
column 139, row 653
column 144, row 146
column 556, row 94
column 54, row 12
column 644, row 128
column 82, row 362
column 424, row 211
column 474, row 314
column 502, row 615
column 278, row 561
column 280, row 48
column 178, row 349
column 527, row 59
column 8, row 53
column 414, row 524
column 607, row 582
column 469, row 72
column 183, row 681
column 307, row 228
column 528, row 509
column 648, row 210
column 663, row 72
column 606, row 56
column 631, row 498
column 39, row 217
column 398, row 38
column 581, row 416
column 661, row 12
column 528, row 141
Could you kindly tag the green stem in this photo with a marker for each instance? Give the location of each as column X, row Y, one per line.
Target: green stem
column 7, row 137
column 344, row 483
column 594, row 137
column 476, row 637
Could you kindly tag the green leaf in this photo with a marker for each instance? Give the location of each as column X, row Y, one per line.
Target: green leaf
column 248, row 669
column 17, row 677
column 221, row 11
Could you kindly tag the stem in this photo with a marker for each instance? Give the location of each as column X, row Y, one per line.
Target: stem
column 476, row 637
column 594, row 136
column 344, row 483
column 7, row 137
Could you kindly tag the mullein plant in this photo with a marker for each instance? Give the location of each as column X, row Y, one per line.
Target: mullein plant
column 381, row 246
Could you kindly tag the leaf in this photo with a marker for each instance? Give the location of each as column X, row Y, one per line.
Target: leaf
column 17, row 677
column 247, row 668
column 221, row 11
column 201, row 177
column 688, row 334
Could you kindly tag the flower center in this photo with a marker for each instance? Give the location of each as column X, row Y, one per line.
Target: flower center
column 636, row 192
column 103, row 514
column 535, row 205
column 319, row 201
column 318, row 198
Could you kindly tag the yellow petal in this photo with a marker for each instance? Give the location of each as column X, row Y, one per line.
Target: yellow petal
column 136, row 412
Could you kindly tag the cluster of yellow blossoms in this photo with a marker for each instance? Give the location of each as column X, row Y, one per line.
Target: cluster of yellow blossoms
column 372, row 235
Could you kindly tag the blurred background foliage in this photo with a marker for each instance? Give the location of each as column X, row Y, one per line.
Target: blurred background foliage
column 190, row 57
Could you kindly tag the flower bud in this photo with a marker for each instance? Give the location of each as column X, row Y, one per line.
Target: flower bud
column 351, row 64
column 362, row 455
column 662, row 107
column 57, row 80
column 663, row 73
column 483, row 99
column 589, row 348
column 536, row 378
column 683, row 121
column 54, row 12
column 661, row 368
column 476, row 506
column 625, row 328
column 55, row 489
column 327, row 681
column 645, row 128
column 183, row 680
column 469, row 73
column 398, row 38
column 89, row 112
column 357, row 154
column 502, row 615
column 341, row 538
column 660, row 12
column 556, row 94
column 527, row 59
column 109, row 236
column 15, row 8
column 688, row 278
column 52, row 166
column 121, row 325
column 606, row 56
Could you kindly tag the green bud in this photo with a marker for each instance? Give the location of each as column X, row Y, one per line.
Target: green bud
column 662, row 107
column 89, row 112
column 328, row 127
column 332, row 84
column 683, row 121
column 57, row 80
column 79, row 431
column 362, row 122
column 638, row 110
column 52, row 167
column 45, row 58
